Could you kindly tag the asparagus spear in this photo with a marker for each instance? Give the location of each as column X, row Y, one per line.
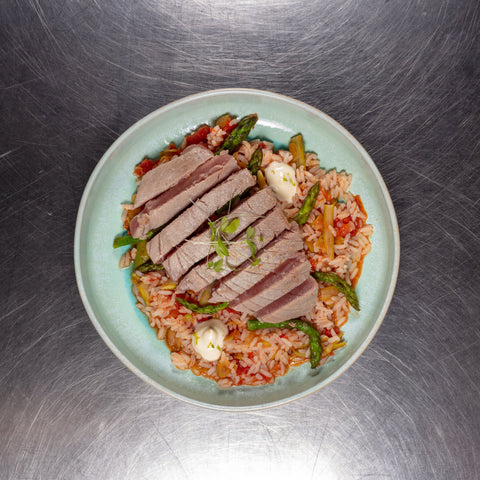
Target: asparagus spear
column 340, row 284
column 306, row 327
column 256, row 161
column 209, row 309
column 149, row 266
column 308, row 204
column 238, row 134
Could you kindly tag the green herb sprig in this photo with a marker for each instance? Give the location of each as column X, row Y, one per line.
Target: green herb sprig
column 125, row 240
column 250, row 242
column 218, row 231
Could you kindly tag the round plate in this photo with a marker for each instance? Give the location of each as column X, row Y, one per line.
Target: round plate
column 105, row 289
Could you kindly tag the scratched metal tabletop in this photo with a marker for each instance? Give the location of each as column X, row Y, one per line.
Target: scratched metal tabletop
column 403, row 76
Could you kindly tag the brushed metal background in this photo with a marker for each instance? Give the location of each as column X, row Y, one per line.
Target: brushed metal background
column 403, row 76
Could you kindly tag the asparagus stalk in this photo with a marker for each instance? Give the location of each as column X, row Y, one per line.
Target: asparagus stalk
column 209, row 309
column 256, row 161
column 340, row 284
column 238, row 134
column 308, row 204
column 306, row 327
column 149, row 266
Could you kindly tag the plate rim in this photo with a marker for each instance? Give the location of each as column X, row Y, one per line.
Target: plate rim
column 174, row 104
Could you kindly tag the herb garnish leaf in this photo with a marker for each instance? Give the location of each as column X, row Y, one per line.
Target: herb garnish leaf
column 231, row 227
column 253, row 248
column 221, row 248
column 218, row 266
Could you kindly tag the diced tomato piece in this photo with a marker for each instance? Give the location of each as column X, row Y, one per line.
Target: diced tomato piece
column 336, row 330
column 346, row 229
column 229, row 127
column 242, row 369
column 144, row 166
column 327, row 332
column 344, row 226
column 200, row 136
column 338, row 222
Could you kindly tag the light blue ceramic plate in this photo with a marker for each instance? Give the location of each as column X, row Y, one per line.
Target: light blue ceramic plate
column 105, row 289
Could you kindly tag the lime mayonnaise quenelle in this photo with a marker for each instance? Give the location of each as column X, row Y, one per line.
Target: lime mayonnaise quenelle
column 281, row 178
column 208, row 339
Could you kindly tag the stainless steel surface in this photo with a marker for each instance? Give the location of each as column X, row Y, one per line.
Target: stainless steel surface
column 401, row 75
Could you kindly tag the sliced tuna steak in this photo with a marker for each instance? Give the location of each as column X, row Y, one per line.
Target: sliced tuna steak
column 192, row 218
column 266, row 229
column 198, row 247
column 287, row 245
column 275, row 285
column 300, row 301
column 169, row 174
column 159, row 211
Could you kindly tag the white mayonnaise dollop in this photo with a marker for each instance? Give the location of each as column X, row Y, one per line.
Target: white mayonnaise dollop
column 208, row 339
column 281, row 178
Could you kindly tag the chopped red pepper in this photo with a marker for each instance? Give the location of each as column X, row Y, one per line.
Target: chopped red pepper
column 144, row 166
column 200, row 136
column 242, row 369
column 327, row 332
column 344, row 226
column 229, row 127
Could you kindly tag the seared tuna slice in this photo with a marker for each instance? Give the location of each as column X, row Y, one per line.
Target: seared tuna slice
column 159, row 211
column 285, row 278
column 168, row 174
column 198, row 247
column 300, row 301
column 192, row 218
column 289, row 244
column 266, row 229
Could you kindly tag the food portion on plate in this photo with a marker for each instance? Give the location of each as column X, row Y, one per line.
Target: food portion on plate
column 245, row 258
